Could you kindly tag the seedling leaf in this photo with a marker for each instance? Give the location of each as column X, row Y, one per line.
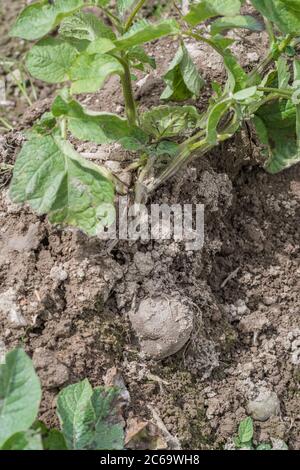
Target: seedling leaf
column 246, row 430
column 182, row 78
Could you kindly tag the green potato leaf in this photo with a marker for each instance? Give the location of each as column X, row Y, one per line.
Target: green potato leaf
column 24, row 440
column 245, row 93
column 206, row 9
column 215, row 115
column 76, row 414
column 54, row 440
column 232, row 22
column 85, row 26
column 89, row 72
column 245, row 431
column 283, row 72
column 50, row 60
column 101, row 128
column 56, row 180
column 169, row 121
column 38, row 19
column 182, row 78
column 109, row 434
column 276, row 127
column 87, row 417
column 100, row 46
column 20, row 395
column 138, row 53
column 285, row 14
column 143, row 31
column 264, row 446
column 237, row 77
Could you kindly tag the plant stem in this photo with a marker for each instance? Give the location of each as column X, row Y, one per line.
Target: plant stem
column 277, row 91
column 114, row 19
column 199, row 37
column 133, row 14
column 130, row 105
column 187, row 150
column 63, row 128
column 273, row 54
column 6, row 124
column 270, row 31
column 22, row 89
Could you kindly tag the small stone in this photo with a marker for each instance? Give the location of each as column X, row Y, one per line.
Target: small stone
column 58, row 274
column 241, row 307
column 10, row 309
column 253, row 56
column 265, row 405
column 29, row 241
column 278, row 444
column 255, row 322
column 163, row 325
column 52, row 372
column 144, row 262
column 269, row 300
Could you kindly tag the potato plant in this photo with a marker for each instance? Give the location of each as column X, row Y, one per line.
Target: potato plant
column 79, row 50
column 87, row 416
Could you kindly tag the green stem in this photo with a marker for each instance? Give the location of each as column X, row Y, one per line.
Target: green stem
column 270, row 31
column 63, row 128
column 22, row 89
column 187, row 150
column 199, row 37
column 133, row 14
column 273, row 54
column 114, row 19
column 284, row 93
column 6, row 124
column 130, row 105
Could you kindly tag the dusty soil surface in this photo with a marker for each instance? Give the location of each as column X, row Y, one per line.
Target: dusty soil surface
column 72, row 305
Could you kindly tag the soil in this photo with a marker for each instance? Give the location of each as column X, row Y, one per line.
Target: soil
column 68, row 301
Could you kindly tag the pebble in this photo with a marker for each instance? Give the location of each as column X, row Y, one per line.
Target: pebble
column 10, row 309
column 59, row 274
column 144, row 262
column 163, row 325
column 265, row 405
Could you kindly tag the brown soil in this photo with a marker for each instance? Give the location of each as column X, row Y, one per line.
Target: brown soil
column 72, row 300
